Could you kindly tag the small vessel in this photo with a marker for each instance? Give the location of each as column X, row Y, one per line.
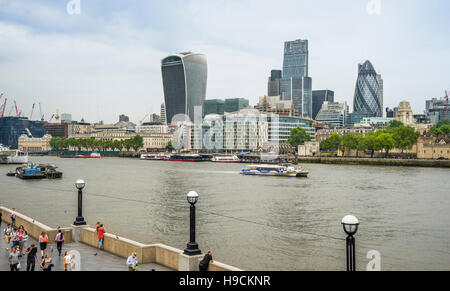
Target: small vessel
column 225, row 159
column 89, row 156
column 8, row 156
column 155, row 157
column 275, row 170
column 41, row 171
column 186, row 158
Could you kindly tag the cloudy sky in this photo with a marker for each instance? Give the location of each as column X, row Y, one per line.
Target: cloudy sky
column 105, row 61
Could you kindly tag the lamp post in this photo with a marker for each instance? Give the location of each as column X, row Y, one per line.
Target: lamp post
column 192, row 247
column 80, row 220
column 350, row 224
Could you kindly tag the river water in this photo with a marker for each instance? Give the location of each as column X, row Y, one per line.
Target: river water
column 254, row 223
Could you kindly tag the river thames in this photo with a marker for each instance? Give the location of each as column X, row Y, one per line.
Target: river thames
column 254, row 223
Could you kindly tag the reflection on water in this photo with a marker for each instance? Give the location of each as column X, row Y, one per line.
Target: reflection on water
column 256, row 223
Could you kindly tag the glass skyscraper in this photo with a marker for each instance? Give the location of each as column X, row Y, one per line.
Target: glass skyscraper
column 295, row 64
column 184, row 79
column 301, row 94
column 369, row 91
column 318, row 98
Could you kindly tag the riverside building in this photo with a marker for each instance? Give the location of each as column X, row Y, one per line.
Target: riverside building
column 334, row 114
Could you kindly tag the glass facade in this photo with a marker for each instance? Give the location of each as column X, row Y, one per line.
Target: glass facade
column 11, row 128
column 369, row 91
column 280, row 128
column 184, row 81
column 236, row 104
column 302, row 95
column 295, row 64
column 318, row 98
column 274, row 84
column 334, row 114
column 215, row 106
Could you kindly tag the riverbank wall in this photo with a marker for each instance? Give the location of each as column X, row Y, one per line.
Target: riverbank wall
column 375, row 162
column 161, row 254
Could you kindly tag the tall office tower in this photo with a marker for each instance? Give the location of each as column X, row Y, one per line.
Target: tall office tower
column 318, row 98
column 295, row 64
column 301, row 93
column 274, row 84
column 368, row 92
column 184, row 79
column 162, row 115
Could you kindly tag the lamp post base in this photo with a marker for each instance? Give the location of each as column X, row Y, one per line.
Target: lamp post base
column 192, row 249
column 79, row 221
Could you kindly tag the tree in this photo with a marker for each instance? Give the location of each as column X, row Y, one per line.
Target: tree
column 395, row 123
column 445, row 129
column 116, row 145
column 443, row 122
column 332, row 143
column 370, row 141
column 169, row 146
column 127, row 143
column 384, row 141
column 298, row 137
column 361, row 144
column 137, row 142
column 349, row 142
column 404, row 137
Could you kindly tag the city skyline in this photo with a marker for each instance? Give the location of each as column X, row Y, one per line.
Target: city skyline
column 112, row 52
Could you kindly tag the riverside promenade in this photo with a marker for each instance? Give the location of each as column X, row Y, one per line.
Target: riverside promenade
column 158, row 257
column 92, row 259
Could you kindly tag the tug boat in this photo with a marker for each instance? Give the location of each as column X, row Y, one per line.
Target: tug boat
column 225, row 159
column 41, row 171
column 275, row 170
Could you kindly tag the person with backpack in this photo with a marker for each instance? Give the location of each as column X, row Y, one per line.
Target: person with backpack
column 43, row 241
column 101, row 236
column 31, row 257
column 47, row 263
column 204, row 264
column 7, row 235
column 59, row 241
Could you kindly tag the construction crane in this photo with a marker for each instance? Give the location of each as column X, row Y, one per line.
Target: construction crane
column 143, row 119
column 51, row 118
column 17, row 111
column 4, row 106
column 40, row 112
column 32, row 110
column 446, row 97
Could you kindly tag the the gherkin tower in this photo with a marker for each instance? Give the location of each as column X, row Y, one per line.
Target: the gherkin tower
column 369, row 91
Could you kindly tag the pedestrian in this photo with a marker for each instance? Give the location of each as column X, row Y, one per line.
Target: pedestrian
column 132, row 262
column 59, row 241
column 19, row 239
column 7, row 235
column 1, row 214
column 101, row 236
column 13, row 241
column 24, row 240
column 68, row 261
column 47, row 263
column 13, row 259
column 31, row 253
column 13, row 217
column 204, row 264
column 97, row 225
column 43, row 241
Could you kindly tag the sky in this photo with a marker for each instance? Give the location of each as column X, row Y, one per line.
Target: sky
column 103, row 60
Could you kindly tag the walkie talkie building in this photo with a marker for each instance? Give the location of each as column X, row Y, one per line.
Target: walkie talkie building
column 184, row 79
column 369, row 91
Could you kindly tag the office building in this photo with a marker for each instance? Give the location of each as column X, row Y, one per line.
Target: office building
column 57, row 129
column 11, row 128
column 274, row 104
column 274, row 84
column 333, row 114
column 301, row 94
column 318, row 98
column 369, row 91
column 436, row 109
column 214, row 106
column 236, row 104
column 162, row 115
column 184, row 80
column 295, row 64
column 34, row 144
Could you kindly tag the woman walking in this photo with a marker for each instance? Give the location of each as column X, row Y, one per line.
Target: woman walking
column 59, row 241
column 47, row 263
column 43, row 241
column 68, row 261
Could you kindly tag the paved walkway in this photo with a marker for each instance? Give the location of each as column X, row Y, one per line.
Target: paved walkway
column 92, row 259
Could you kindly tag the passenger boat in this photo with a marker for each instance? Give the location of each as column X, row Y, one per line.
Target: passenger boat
column 89, row 156
column 8, row 156
column 225, row 159
column 186, row 158
column 275, row 170
column 41, row 171
column 155, row 157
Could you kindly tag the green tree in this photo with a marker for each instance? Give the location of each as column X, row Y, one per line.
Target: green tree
column 443, row 122
column 117, row 145
column 333, row 143
column 445, row 129
column 395, row 123
column 385, row 141
column 298, row 137
column 370, row 141
column 404, row 137
column 128, row 144
column 349, row 142
column 361, row 144
column 137, row 142
column 169, row 146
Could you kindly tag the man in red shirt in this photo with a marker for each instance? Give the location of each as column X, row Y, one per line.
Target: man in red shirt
column 100, row 236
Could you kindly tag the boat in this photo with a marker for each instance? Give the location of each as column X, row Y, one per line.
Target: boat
column 225, row 159
column 187, row 158
column 8, row 156
column 155, row 157
column 89, row 156
column 41, row 171
column 286, row 170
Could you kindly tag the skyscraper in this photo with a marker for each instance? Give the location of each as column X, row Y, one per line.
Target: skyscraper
column 184, row 79
column 295, row 64
column 318, row 98
column 301, row 95
column 162, row 115
column 274, row 84
column 368, row 92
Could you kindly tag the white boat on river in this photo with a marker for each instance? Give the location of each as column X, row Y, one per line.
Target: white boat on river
column 275, row 170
